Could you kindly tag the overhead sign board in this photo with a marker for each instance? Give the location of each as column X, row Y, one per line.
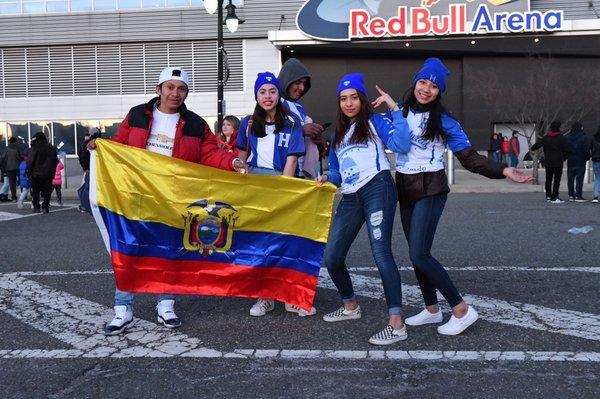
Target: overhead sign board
column 334, row 20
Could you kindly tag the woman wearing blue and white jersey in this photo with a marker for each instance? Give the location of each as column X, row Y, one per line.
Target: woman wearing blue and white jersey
column 423, row 187
column 270, row 141
column 358, row 163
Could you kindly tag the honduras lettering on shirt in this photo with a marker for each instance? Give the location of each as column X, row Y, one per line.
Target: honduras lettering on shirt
column 272, row 150
column 162, row 135
column 359, row 163
column 426, row 155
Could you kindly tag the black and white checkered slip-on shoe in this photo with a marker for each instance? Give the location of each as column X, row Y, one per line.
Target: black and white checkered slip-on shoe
column 389, row 336
column 342, row 314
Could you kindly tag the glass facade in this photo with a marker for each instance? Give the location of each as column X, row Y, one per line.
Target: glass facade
column 52, row 6
column 68, row 135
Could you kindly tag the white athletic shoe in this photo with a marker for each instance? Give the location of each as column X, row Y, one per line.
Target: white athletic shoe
column 389, row 336
column 342, row 314
column 425, row 317
column 301, row 312
column 166, row 314
column 456, row 325
column 261, row 307
column 123, row 319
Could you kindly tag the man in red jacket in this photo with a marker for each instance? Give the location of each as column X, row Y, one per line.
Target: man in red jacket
column 165, row 126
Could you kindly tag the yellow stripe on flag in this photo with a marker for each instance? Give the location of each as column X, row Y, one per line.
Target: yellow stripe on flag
column 142, row 185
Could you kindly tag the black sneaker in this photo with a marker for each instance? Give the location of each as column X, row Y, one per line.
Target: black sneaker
column 548, row 199
column 571, row 199
column 580, row 199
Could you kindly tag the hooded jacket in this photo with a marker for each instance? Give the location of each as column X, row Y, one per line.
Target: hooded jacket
column 556, row 149
column 42, row 159
column 292, row 71
column 580, row 148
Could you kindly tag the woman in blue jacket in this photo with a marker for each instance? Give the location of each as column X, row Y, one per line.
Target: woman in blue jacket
column 358, row 163
column 423, row 187
column 270, row 141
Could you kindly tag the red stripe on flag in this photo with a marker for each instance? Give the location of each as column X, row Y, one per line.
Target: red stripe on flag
column 163, row 276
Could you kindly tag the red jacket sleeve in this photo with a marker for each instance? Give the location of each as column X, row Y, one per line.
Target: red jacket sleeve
column 122, row 135
column 212, row 155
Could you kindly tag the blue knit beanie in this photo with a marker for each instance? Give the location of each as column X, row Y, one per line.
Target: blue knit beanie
column 352, row 81
column 434, row 70
column 265, row 78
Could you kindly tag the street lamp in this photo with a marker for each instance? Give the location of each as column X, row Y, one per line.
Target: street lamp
column 232, row 22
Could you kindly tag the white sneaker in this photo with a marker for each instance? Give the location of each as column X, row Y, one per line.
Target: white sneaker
column 166, row 314
column 388, row 336
column 301, row 312
column 19, row 204
column 123, row 319
column 261, row 307
column 456, row 325
column 342, row 314
column 425, row 317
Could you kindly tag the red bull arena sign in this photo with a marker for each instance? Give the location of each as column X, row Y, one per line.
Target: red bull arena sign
column 333, row 20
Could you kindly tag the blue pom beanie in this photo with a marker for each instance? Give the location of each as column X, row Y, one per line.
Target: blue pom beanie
column 352, row 81
column 265, row 78
column 434, row 70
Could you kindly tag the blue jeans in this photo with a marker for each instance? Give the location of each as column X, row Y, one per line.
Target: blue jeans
column 419, row 223
column 596, row 179
column 258, row 170
column 123, row 298
column 4, row 188
column 575, row 176
column 497, row 156
column 514, row 160
column 375, row 203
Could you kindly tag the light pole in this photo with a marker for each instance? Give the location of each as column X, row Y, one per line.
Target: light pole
column 232, row 22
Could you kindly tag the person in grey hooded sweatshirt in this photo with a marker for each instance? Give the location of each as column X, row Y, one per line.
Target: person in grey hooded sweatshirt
column 295, row 82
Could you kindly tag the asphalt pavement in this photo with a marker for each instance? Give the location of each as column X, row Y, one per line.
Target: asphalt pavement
column 534, row 284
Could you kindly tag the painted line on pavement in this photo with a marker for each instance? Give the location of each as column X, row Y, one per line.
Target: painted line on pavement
column 535, row 317
column 78, row 322
column 592, row 269
column 5, row 216
column 294, row 354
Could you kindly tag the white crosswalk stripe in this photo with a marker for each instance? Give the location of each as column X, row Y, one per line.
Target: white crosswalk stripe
column 78, row 322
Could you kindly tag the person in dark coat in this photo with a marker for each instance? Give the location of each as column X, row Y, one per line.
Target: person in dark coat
column 41, row 167
column 556, row 151
column 580, row 153
column 10, row 160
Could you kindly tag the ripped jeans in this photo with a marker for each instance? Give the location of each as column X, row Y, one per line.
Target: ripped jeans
column 376, row 204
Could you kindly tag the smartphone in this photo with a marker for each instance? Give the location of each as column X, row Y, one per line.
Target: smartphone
column 326, row 125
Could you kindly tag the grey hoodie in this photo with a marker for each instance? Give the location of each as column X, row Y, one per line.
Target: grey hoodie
column 291, row 71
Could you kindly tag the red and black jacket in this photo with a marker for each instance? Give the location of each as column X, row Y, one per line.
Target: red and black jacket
column 194, row 141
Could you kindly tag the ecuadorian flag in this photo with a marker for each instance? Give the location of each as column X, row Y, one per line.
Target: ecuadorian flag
column 177, row 227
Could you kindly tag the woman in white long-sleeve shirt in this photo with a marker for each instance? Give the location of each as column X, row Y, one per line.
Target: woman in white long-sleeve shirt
column 358, row 163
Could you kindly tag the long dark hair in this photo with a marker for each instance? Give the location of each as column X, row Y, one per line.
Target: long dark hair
column 259, row 119
column 435, row 108
column 362, row 130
